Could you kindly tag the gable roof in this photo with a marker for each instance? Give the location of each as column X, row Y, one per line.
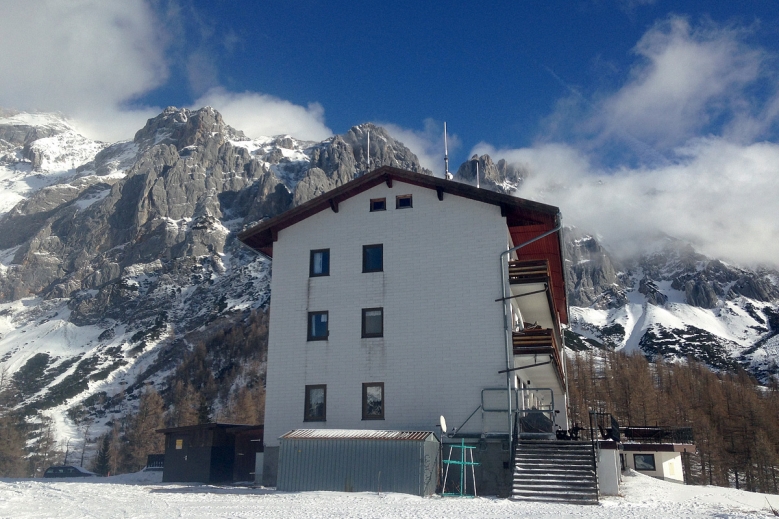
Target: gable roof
column 524, row 218
column 518, row 211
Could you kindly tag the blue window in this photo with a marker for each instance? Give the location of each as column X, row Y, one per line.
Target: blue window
column 320, row 263
column 373, row 258
column 317, row 326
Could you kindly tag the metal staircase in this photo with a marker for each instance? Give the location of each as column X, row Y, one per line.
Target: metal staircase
column 555, row 471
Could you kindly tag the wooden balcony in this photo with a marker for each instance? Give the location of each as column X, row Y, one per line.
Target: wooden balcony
column 539, row 341
column 529, row 271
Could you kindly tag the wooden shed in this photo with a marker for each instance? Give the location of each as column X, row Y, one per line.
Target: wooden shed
column 211, row 453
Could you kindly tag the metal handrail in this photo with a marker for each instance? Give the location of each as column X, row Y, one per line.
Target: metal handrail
column 658, row 434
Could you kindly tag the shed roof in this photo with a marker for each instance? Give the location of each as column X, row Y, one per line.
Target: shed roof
column 229, row 427
column 355, row 434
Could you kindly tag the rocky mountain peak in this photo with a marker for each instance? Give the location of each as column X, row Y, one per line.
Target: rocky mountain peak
column 503, row 177
column 344, row 157
column 593, row 276
column 183, row 127
column 21, row 129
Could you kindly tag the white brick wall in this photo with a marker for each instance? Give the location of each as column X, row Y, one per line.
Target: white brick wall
column 443, row 331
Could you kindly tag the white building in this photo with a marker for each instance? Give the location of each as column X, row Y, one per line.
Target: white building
column 388, row 303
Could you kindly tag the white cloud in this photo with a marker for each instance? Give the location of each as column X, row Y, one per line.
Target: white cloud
column 719, row 195
column 259, row 115
column 690, row 115
column 427, row 144
column 89, row 59
column 685, row 78
column 81, row 57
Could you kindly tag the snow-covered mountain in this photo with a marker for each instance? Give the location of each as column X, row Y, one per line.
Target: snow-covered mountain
column 666, row 300
column 671, row 301
column 115, row 259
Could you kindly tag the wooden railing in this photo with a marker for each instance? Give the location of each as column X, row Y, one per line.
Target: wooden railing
column 529, row 271
column 539, row 341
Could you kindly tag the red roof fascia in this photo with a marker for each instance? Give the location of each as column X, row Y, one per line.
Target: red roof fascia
column 547, row 248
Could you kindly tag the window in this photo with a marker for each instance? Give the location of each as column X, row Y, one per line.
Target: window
column 402, row 201
column 372, row 322
column 317, row 326
column 378, row 204
column 320, row 263
column 644, row 461
column 316, row 403
column 373, row 401
column 373, row 258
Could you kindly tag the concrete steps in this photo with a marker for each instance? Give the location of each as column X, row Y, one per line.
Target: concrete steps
column 555, row 472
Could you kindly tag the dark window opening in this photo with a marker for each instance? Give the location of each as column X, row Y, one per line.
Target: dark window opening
column 372, row 322
column 644, row 461
column 372, row 258
column 373, row 401
column 317, row 326
column 316, row 403
column 402, row 201
column 320, row 263
column 378, row 204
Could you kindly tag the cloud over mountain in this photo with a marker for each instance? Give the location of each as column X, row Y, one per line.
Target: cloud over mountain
column 261, row 114
column 690, row 133
column 91, row 60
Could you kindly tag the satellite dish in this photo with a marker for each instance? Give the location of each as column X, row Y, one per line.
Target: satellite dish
column 442, row 421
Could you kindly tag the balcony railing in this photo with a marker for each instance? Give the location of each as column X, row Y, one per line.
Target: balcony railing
column 539, row 341
column 529, row 271
column 658, row 434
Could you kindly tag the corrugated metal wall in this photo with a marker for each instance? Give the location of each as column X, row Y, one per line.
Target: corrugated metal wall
column 359, row 465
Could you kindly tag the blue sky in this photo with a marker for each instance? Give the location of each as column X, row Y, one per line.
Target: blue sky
column 495, row 71
column 634, row 116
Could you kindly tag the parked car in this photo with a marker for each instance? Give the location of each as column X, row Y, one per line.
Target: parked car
column 68, row 471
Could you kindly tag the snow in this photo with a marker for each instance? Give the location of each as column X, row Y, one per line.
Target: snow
column 85, row 202
column 35, row 119
column 141, row 495
column 60, row 155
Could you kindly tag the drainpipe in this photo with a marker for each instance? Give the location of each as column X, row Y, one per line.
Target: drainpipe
column 507, row 310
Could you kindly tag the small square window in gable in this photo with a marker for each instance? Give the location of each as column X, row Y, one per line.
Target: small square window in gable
column 378, row 204
column 403, row 202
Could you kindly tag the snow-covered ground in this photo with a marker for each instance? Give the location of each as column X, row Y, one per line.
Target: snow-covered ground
column 141, row 496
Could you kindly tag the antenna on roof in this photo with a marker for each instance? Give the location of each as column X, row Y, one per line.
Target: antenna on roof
column 447, row 175
column 369, row 151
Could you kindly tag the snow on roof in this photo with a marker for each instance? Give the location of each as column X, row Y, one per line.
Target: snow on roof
column 355, row 434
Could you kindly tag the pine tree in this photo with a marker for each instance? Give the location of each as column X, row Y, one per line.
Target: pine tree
column 102, row 464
